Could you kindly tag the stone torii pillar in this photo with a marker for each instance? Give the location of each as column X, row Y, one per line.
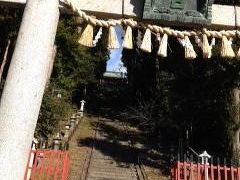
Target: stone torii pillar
column 24, row 88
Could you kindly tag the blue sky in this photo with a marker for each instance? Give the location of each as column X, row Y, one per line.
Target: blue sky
column 114, row 63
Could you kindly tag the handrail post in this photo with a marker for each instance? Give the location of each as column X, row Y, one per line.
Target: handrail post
column 65, row 167
column 178, row 167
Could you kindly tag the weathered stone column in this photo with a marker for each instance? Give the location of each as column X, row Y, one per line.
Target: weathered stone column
column 236, row 130
column 23, row 91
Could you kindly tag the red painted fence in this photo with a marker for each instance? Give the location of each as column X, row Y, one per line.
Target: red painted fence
column 192, row 171
column 47, row 165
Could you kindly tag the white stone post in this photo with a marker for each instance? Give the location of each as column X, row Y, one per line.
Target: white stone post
column 32, row 155
column 82, row 105
column 24, row 88
column 57, row 142
column 72, row 123
column 205, row 157
column 67, row 129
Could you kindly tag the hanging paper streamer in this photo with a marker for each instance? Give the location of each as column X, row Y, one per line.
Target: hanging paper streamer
column 97, row 37
column 189, row 51
column 163, row 46
column 159, row 38
column 147, row 42
column 128, row 40
column 226, row 49
column 87, row 36
column 206, row 48
column 112, row 38
column 213, row 42
column 181, row 41
column 238, row 54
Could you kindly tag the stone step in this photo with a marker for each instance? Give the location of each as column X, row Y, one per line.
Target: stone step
column 100, row 156
column 108, row 174
column 111, row 175
column 120, row 173
column 109, row 163
column 101, row 178
column 105, row 161
column 113, row 171
column 113, row 168
column 110, row 178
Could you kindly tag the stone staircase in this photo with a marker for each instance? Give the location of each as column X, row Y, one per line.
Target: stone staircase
column 79, row 154
column 106, row 168
column 104, row 165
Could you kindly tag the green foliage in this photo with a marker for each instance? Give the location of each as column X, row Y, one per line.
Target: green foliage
column 10, row 19
column 75, row 67
column 53, row 110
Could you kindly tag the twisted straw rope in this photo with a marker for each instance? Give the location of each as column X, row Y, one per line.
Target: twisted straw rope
column 153, row 28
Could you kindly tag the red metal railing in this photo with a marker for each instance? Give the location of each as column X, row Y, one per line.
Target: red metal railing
column 47, row 165
column 192, row 171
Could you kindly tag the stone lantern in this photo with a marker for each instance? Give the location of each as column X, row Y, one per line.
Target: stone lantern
column 59, row 95
column 74, row 116
column 67, row 129
column 205, row 157
column 72, row 123
column 56, row 142
column 78, row 115
column 179, row 12
column 35, row 143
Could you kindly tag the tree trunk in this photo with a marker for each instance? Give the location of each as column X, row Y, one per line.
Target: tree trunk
column 24, row 87
column 236, row 130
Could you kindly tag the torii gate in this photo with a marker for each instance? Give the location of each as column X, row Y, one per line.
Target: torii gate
column 28, row 72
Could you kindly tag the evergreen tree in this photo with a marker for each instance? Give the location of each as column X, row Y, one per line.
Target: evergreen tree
column 75, row 67
column 181, row 100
